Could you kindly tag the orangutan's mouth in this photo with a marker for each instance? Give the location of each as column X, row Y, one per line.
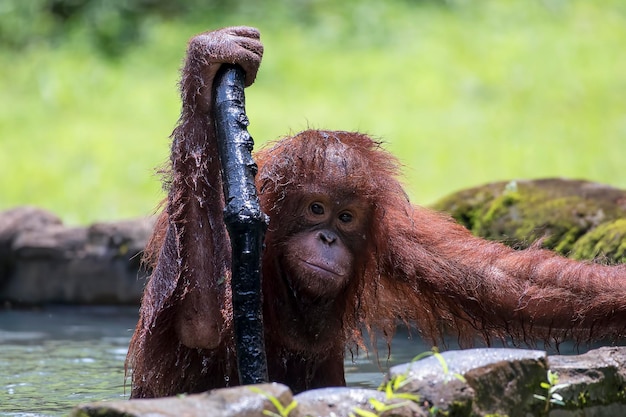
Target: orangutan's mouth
column 323, row 269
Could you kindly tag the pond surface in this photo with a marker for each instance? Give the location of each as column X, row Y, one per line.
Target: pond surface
column 54, row 358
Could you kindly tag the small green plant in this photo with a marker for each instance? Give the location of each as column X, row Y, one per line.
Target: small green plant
column 282, row 411
column 442, row 361
column 380, row 407
column 391, row 389
column 394, row 384
column 435, row 410
column 552, row 386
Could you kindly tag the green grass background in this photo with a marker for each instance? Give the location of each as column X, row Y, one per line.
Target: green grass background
column 462, row 92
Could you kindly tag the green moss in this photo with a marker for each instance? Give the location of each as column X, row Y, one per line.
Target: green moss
column 605, row 242
column 583, row 399
column 499, row 207
column 556, row 212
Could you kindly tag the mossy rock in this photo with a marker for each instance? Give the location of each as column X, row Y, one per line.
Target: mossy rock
column 580, row 219
column 605, row 241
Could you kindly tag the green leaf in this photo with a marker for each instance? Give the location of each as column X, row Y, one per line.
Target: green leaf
column 378, row 405
column 407, row 396
column 290, row 407
column 442, row 361
column 364, row 413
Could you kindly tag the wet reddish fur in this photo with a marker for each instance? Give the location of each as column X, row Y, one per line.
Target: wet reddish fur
column 419, row 267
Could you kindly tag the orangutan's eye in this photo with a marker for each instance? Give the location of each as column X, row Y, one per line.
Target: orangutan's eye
column 345, row 217
column 317, row 209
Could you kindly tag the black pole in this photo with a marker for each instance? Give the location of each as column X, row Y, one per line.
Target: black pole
column 244, row 220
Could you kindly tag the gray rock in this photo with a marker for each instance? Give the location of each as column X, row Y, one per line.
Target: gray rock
column 19, row 219
column 15, row 221
column 594, row 384
column 477, row 381
column 228, row 402
column 43, row 261
column 340, row 402
column 252, row 401
column 473, row 382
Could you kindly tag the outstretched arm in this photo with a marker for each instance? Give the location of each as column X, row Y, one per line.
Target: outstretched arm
column 186, row 301
column 478, row 285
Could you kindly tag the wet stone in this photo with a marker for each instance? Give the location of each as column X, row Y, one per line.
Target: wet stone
column 477, row 381
column 231, row 402
column 342, row 401
column 473, row 382
column 594, row 381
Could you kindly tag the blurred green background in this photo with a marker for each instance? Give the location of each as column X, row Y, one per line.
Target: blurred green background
column 463, row 92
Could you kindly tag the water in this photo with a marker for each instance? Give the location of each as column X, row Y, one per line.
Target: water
column 55, row 358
